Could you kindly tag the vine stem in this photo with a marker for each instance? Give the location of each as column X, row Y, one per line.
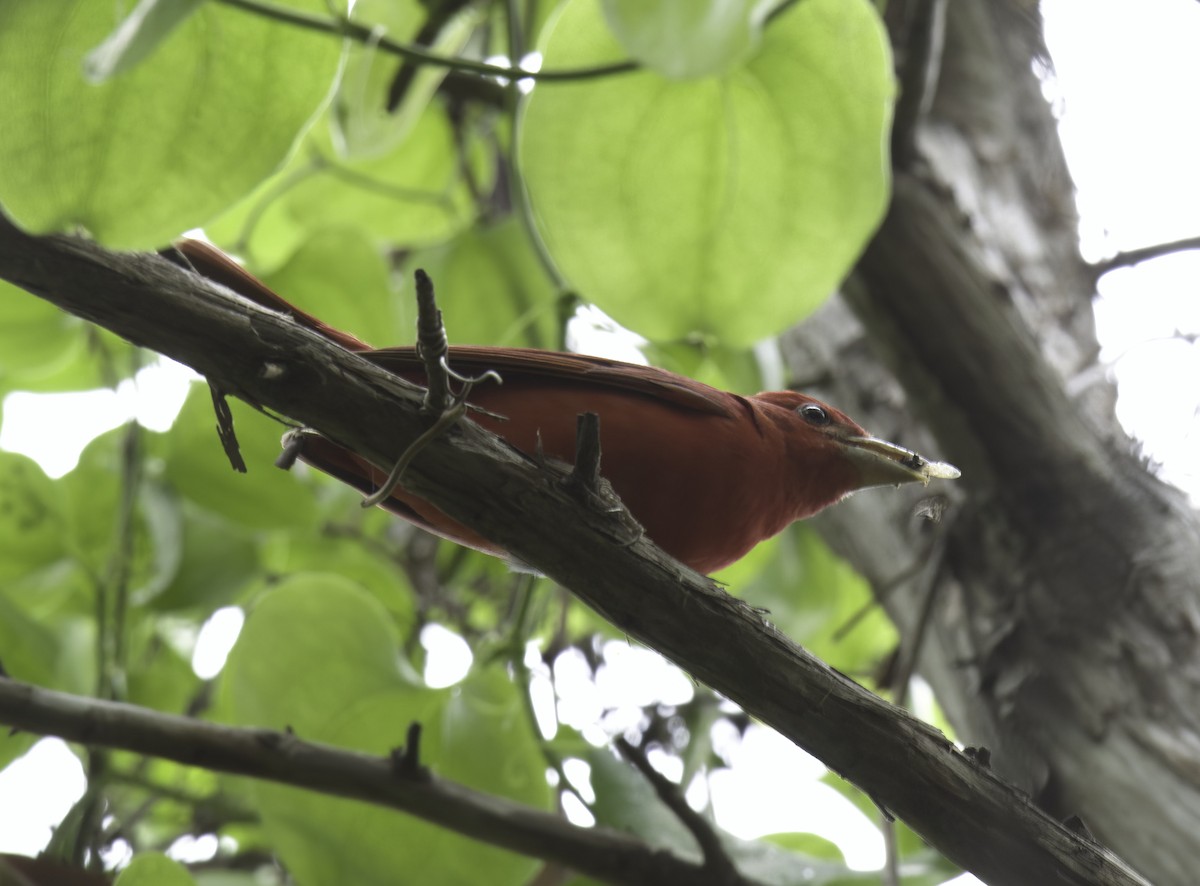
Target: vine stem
column 362, row 34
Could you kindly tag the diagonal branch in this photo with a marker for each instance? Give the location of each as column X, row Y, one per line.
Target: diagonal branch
column 974, row 818
column 1132, row 257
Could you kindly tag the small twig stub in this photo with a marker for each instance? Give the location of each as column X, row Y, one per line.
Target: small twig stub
column 586, row 473
column 406, row 761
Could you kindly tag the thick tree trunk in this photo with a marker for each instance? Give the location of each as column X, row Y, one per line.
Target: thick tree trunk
column 1064, row 609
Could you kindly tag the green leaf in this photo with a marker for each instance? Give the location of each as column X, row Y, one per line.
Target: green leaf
column 14, row 745
column 222, row 877
column 159, row 677
column 319, row 654
column 492, row 288
column 811, row 595
column 218, row 559
column 921, row 866
column 92, row 496
column 161, row 148
column 807, row 844
column 356, row 560
column 731, row 369
column 154, row 869
column 137, row 36
column 485, row 739
column 727, row 206
column 28, row 649
column 339, row 275
column 43, row 349
column 363, row 125
column 625, row 800
column 687, row 38
column 31, row 522
column 699, row 717
column 196, row 465
column 414, row 195
column 35, row 337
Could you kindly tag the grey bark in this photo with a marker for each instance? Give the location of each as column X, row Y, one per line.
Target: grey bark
column 1063, row 629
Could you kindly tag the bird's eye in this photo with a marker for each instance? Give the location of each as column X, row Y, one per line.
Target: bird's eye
column 813, row 414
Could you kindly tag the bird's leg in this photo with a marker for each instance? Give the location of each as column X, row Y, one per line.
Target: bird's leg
column 449, row 407
column 433, row 347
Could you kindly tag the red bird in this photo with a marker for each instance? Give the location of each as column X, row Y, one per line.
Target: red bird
column 707, row 473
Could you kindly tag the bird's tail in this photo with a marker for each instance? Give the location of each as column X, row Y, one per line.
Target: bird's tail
column 210, row 262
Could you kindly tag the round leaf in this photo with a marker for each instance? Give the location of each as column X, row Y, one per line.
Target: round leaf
column 35, row 337
column 163, row 147
column 414, row 195
column 686, row 38
column 154, row 869
column 320, row 654
column 728, row 206
column 492, row 288
column 218, row 558
column 819, row 600
column 341, row 277
column 363, row 124
column 31, row 523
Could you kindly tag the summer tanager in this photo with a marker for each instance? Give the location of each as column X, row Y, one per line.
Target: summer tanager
column 707, row 473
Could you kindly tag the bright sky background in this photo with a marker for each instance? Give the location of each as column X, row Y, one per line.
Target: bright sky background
column 1127, row 87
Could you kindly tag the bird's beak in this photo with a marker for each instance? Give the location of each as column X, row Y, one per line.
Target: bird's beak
column 885, row 464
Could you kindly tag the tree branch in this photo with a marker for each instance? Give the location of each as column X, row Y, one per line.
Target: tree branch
column 1145, row 253
column 974, row 818
column 602, row 853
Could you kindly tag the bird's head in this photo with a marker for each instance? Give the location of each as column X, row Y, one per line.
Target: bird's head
column 853, row 459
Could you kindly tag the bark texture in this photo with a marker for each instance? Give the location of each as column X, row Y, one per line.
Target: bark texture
column 1061, row 581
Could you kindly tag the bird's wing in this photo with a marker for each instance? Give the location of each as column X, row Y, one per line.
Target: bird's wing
column 556, row 366
column 210, row 262
column 560, row 367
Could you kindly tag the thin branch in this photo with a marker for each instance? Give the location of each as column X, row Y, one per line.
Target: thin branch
column 362, row 34
column 514, row 650
column 910, row 652
column 284, row 758
column 120, row 564
column 1145, row 253
column 716, row 859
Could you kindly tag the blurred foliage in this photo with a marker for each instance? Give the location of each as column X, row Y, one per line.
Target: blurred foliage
column 706, row 201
